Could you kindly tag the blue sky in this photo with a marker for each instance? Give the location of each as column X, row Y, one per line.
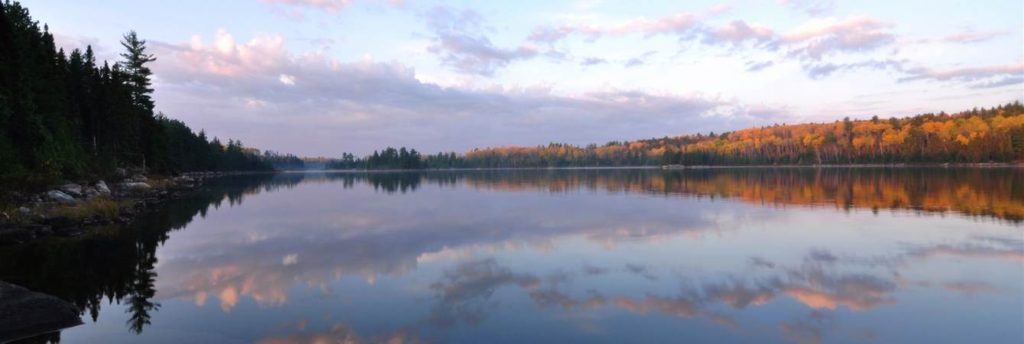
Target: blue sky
column 321, row 77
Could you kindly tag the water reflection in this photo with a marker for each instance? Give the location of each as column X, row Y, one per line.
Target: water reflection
column 458, row 254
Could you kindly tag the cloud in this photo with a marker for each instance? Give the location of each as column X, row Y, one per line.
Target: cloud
column 820, row 70
column 819, row 38
column 676, row 24
column 811, row 7
column 761, row 263
column 1005, row 81
column 243, row 88
column 811, row 42
column 327, row 5
column 738, row 32
column 590, row 61
column 756, row 66
column 971, row 36
column 459, row 42
column 633, row 62
column 287, row 79
column 967, row 74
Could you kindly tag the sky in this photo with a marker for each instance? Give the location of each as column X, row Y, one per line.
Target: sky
column 322, row 77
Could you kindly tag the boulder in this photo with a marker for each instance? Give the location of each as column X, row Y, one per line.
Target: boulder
column 90, row 192
column 60, row 197
column 72, row 189
column 25, row 211
column 136, row 186
column 101, row 186
column 25, row 313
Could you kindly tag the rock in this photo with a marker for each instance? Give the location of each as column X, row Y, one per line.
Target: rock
column 25, row 313
column 101, row 186
column 60, row 197
column 138, row 178
column 122, row 173
column 136, row 186
column 72, row 189
column 25, row 210
column 90, row 192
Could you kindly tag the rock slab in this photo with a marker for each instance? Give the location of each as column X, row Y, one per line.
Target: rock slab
column 25, row 313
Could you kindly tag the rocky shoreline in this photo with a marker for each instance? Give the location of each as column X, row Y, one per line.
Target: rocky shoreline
column 71, row 209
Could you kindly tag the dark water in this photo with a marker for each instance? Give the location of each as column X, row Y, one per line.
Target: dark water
column 730, row 256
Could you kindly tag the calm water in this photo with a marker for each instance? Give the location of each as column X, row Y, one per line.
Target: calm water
column 732, row 256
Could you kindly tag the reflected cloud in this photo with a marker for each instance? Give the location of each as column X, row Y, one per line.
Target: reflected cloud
column 968, row 288
column 464, row 293
column 809, row 329
column 342, row 333
column 817, row 289
column 979, row 247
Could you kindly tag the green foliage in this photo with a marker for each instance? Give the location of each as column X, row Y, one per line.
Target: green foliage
column 64, row 116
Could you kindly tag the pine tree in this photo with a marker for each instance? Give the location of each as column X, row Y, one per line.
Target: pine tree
column 135, row 60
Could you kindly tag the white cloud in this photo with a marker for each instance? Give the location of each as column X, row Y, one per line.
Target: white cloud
column 359, row 106
column 287, row 79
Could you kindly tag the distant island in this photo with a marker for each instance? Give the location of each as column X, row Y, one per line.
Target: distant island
column 64, row 116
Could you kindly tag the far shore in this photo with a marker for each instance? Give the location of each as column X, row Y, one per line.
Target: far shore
column 671, row 167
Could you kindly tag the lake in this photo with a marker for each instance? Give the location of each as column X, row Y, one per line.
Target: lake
column 747, row 255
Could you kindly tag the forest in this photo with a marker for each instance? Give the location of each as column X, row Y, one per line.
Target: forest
column 64, row 115
column 976, row 136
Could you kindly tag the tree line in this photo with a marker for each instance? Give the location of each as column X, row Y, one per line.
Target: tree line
column 976, row 136
column 63, row 115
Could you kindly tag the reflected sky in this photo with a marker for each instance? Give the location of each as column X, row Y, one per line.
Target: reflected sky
column 745, row 256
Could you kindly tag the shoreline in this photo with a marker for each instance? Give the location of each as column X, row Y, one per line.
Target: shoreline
column 72, row 209
column 669, row 167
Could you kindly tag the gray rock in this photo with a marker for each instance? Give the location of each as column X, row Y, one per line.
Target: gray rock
column 136, row 186
column 138, row 178
column 72, row 189
column 25, row 313
column 90, row 192
column 101, row 186
column 60, row 197
column 24, row 210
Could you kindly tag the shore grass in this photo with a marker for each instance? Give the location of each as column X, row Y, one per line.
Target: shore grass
column 100, row 208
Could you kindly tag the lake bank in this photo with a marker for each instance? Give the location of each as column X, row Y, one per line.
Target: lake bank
column 671, row 167
column 71, row 209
